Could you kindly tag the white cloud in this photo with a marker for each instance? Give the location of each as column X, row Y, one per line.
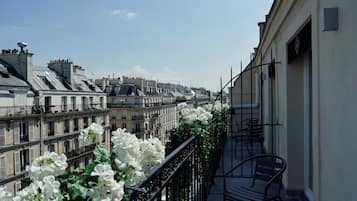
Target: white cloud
column 128, row 14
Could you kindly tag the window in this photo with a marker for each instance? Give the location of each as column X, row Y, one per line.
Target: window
column 76, row 144
column 51, row 148
column 2, row 167
column 101, row 100
column 86, row 161
column 93, row 119
column 114, row 126
column 66, row 146
column 47, row 82
column 137, row 127
column 85, row 122
column 66, row 126
column 75, row 124
column 103, row 137
column 2, row 135
column 24, row 135
column 91, row 102
column 104, row 120
column 123, row 125
column 73, row 102
column 123, row 115
column 50, row 128
column 48, row 104
column 84, row 103
column 64, row 104
column 24, row 159
column 76, row 164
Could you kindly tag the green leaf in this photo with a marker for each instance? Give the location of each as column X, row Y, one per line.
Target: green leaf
column 90, row 168
column 77, row 190
column 101, row 153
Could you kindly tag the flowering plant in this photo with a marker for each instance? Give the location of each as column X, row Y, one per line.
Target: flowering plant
column 208, row 121
column 101, row 180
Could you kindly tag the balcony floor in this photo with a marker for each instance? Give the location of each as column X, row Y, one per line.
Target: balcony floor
column 232, row 156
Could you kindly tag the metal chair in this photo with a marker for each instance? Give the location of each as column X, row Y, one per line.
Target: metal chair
column 263, row 179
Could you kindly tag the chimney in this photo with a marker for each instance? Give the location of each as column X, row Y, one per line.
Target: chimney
column 21, row 61
column 261, row 29
column 64, row 67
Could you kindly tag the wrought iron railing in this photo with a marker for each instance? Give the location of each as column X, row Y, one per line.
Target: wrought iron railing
column 184, row 175
column 71, row 108
column 11, row 111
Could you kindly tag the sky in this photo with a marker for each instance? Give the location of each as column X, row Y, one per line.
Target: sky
column 190, row 42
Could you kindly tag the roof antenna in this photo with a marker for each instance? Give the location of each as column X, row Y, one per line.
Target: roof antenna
column 22, row 45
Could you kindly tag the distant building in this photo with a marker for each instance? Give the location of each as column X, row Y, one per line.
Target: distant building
column 141, row 108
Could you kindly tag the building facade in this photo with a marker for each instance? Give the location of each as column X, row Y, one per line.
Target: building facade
column 149, row 114
column 64, row 101
column 308, row 87
column 19, row 129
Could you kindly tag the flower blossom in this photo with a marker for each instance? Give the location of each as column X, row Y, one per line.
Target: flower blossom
column 50, row 163
column 90, row 135
column 107, row 188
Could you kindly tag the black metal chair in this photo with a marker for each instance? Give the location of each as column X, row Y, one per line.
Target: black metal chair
column 258, row 178
column 250, row 132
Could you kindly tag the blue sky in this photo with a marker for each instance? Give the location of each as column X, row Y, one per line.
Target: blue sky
column 191, row 42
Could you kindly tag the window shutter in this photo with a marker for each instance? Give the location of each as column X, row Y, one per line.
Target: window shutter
column 17, row 162
column 2, row 135
column 2, row 167
column 16, row 133
column 31, row 130
column 31, row 155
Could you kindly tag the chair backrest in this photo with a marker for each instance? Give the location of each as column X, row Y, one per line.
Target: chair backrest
column 269, row 167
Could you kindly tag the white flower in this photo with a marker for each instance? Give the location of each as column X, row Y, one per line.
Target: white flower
column 50, row 163
column 50, row 188
column 152, row 153
column 199, row 114
column 28, row 193
column 5, row 195
column 107, row 188
column 126, row 147
column 90, row 135
column 96, row 128
column 104, row 172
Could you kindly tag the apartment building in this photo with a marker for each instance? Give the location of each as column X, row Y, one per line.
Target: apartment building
column 66, row 102
column 19, row 128
column 308, row 87
column 149, row 114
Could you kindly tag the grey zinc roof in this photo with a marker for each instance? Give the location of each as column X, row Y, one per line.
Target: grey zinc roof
column 38, row 83
column 124, row 90
column 80, row 82
column 9, row 80
column 83, row 83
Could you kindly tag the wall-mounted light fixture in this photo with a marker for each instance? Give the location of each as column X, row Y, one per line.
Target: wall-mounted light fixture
column 329, row 19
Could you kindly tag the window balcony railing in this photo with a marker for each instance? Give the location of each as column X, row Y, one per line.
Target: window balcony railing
column 71, row 108
column 13, row 111
column 137, row 117
column 71, row 155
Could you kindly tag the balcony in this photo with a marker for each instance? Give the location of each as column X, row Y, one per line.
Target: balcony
column 13, row 112
column 137, row 117
column 54, row 110
column 186, row 175
column 80, row 152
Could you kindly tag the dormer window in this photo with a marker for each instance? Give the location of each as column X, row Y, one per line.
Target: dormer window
column 47, row 82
